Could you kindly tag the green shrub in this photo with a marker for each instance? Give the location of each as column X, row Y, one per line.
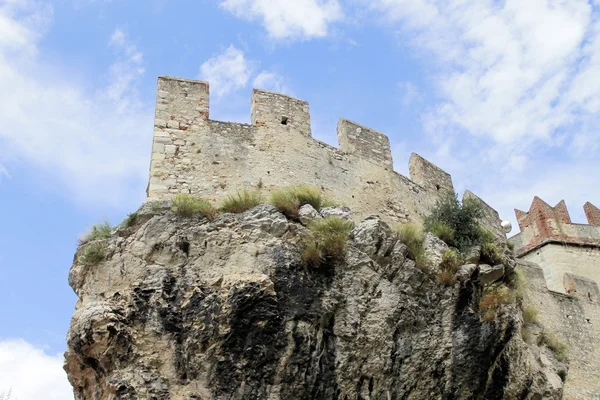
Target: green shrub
column 99, row 231
column 241, row 201
column 551, row 340
column 326, row 240
column 130, row 220
column 493, row 297
column 412, row 236
column 461, row 218
column 530, row 314
column 93, row 253
column 187, row 205
column 443, row 232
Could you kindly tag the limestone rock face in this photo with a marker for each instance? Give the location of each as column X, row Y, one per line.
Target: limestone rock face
column 184, row 308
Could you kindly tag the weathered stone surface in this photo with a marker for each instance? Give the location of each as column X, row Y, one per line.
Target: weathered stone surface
column 473, row 254
column 465, row 272
column 489, row 274
column 434, row 248
column 342, row 212
column 184, row 308
column 307, row 214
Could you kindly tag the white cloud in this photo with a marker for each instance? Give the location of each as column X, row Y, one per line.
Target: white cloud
column 91, row 144
column 288, row 19
column 409, row 93
column 31, row 374
column 227, row 72
column 520, row 89
column 271, row 81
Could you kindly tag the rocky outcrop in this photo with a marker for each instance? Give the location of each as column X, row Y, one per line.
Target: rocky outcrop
column 185, row 308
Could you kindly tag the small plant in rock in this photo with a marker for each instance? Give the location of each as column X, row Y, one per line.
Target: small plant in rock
column 451, row 261
column 93, row 253
column 510, row 245
column 6, row 395
column 326, row 240
column 460, row 218
column 289, row 200
column 530, row 314
column 130, row 220
column 551, row 340
column 286, row 202
column 412, row 236
column 491, row 253
column 493, row 298
column 443, row 232
column 187, row 205
column 241, row 201
column 99, row 231
column 517, row 282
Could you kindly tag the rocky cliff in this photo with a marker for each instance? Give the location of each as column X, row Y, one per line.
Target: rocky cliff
column 187, row 308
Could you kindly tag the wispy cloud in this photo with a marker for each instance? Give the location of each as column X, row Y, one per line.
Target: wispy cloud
column 91, row 145
column 519, row 84
column 288, row 19
column 226, row 72
column 231, row 71
column 30, row 374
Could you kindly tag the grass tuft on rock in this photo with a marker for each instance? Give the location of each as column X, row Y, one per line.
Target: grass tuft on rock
column 93, row 253
column 551, row 340
column 326, row 240
column 289, row 200
column 130, row 220
column 451, row 261
column 492, row 299
column 413, row 237
column 99, row 231
column 530, row 314
column 443, row 232
column 241, row 201
column 187, row 205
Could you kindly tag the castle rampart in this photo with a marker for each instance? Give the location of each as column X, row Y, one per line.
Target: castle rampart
column 193, row 154
column 562, row 248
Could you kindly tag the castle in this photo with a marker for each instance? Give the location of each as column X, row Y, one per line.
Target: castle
column 193, row 154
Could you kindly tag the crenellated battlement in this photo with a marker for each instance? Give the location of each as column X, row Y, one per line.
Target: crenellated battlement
column 193, row 154
column 562, row 248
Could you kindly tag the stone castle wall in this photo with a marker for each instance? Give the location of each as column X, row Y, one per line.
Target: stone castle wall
column 550, row 239
column 575, row 319
column 193, row 154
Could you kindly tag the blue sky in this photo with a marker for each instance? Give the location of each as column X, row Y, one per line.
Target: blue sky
column 504, row 95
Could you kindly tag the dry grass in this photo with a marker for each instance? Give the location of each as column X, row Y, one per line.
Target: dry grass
column 451, row 260
column 492, row 254
column 187, row 205
column 326, row 241
column 517, row 282
column 241, row 201
column 493, row 298
column 289, row 200
column 93, row 253
column 443, row 232
column 530, row 314
column 412, row 236
column 286, row 202
column 551, row 340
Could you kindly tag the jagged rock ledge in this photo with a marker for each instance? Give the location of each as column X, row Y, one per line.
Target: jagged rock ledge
column 186, row 308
